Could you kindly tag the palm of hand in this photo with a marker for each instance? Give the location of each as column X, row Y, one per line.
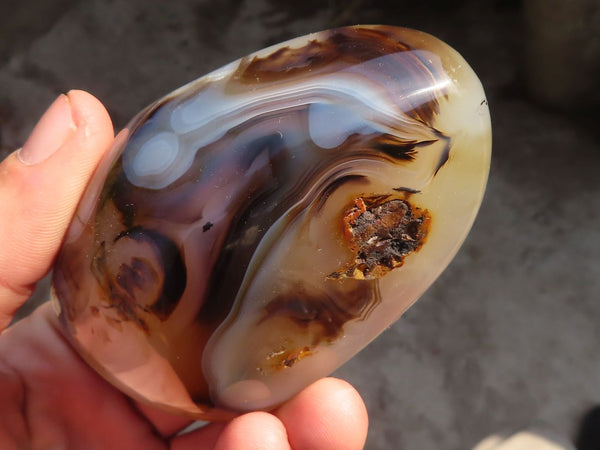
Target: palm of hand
column 54, row 399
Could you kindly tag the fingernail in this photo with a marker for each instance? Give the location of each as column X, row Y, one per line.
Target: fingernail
column 50, row 133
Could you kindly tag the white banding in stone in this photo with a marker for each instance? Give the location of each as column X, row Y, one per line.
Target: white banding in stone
column 156, row 155
column 330, row 125
column 157, row 162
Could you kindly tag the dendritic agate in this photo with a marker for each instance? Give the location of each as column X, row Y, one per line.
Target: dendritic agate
column 253, row 230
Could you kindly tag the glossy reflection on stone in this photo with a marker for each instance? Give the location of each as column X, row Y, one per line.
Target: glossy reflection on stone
column 253, row 230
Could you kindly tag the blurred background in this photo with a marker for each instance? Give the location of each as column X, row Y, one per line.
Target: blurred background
column 508, row 337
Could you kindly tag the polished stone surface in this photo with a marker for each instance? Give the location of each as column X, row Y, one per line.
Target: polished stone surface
column 507, row 337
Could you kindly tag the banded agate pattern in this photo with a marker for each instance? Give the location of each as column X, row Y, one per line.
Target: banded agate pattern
column 253, row 230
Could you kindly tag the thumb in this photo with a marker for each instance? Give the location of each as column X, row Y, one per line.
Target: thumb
column 40, row 186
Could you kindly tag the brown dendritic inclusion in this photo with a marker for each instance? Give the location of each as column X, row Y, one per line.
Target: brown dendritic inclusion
column 253, row 230
column 381, row 232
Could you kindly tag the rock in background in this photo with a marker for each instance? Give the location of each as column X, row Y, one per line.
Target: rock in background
column 563, row 52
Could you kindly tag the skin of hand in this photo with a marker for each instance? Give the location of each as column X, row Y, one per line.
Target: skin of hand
column 50, row 399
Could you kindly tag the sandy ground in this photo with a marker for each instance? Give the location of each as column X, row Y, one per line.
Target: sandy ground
column 507, row 337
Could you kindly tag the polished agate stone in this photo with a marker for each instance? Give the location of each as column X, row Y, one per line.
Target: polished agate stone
column 253, row 230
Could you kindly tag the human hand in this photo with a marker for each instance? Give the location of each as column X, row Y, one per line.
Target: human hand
column 50, row 398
